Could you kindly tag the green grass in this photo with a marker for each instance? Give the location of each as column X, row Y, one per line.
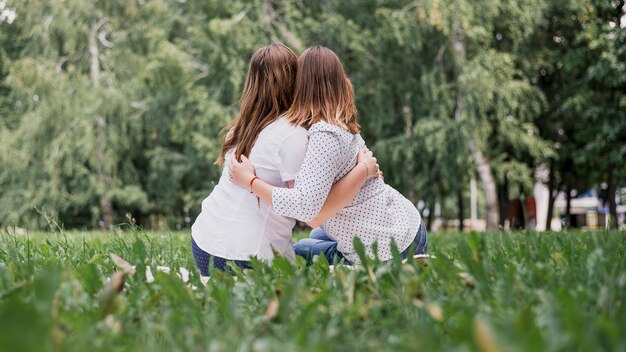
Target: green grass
column 506, row 291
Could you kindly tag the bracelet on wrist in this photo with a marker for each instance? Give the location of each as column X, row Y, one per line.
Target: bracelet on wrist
column 251, row 182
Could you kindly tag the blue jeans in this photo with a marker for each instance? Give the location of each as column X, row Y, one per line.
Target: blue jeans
column 319, row 243
column 204, row 259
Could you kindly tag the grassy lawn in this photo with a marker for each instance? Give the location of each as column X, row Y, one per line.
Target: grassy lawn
column 494, row 291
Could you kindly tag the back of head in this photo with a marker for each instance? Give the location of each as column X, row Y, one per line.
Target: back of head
column 323, row 92
column 267, row 94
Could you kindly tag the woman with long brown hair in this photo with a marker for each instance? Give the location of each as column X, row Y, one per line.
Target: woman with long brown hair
column 233, row 224
column 324, row 104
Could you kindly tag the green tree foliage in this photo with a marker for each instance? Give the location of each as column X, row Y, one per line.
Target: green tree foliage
column 138, row 128
column 578, row 61
column 110, row 108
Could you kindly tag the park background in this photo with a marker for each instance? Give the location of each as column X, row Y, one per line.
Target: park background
column 110, row 114
column 487, row 110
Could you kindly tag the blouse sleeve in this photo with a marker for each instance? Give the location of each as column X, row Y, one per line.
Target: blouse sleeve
column 291, row 155
column 320, row 167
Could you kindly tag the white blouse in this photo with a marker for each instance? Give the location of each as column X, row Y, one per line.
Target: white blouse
column 378, row 213
column 232, row 225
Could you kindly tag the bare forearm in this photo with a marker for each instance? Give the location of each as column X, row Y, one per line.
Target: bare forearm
column 341, row 193
column 263, row 190
column 300, row 203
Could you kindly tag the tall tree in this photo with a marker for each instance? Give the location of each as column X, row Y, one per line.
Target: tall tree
column 110, row 108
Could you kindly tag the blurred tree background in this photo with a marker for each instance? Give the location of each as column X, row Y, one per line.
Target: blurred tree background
column 111, row 107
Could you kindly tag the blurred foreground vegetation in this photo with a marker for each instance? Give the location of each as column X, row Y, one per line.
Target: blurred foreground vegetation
column 488, row 292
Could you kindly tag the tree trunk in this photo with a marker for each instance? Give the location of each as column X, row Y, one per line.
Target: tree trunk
column 431, row 215
column 105, row 180
column 503, row 200
column 551, row 198
column 568, row 207
column 611, row 197
column 489, row 186
column 460, row 204
column 408, row 133
column 473, row 200
column 480, row 161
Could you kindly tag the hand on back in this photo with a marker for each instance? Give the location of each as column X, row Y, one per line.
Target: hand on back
column 241, row 172
column 366, row 157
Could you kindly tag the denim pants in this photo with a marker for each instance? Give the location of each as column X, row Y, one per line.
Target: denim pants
column 319, row 243
column 204, row 259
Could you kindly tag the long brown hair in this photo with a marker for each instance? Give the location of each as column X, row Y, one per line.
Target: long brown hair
column 323, row 91
column 267, row 94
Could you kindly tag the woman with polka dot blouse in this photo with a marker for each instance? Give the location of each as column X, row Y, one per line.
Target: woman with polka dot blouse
column 233, row 226
column 378, row 214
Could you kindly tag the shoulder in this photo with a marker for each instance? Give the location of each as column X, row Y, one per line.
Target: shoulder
column 293, row 146
column 325, row 127
column 286, row 130
column 293, row 138
column 326, row 133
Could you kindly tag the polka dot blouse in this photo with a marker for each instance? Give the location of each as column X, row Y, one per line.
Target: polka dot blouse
column 378, row 214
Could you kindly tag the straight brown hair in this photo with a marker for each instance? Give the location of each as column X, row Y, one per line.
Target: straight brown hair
column 323, row 92
column 267, row 94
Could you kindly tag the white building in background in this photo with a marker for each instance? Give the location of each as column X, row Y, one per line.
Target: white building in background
column 586, row 209
column 542, row 196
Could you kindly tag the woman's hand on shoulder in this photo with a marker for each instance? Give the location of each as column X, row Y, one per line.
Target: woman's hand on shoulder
column 241, row 172
column 366, row 157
